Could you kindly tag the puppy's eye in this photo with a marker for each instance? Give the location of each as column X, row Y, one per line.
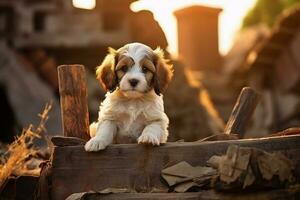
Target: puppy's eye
column 144, row 69
column 124, row 68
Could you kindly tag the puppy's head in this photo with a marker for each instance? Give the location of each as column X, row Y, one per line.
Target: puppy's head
column 135, row 69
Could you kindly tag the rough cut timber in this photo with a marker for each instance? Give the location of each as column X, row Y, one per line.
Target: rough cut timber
column 207, row 195
column 73, row 101
column 242, row 112
column 138, row 167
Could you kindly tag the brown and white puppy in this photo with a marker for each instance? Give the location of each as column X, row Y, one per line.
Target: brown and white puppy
column 133, row 111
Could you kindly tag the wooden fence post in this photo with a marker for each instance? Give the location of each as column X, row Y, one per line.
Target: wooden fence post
column 242, row 112
column 73, row 101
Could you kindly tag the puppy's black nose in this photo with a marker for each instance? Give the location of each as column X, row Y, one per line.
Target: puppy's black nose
column 133, row 82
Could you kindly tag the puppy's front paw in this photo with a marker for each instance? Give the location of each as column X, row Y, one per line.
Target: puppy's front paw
column 95, row 144
column 148, row 138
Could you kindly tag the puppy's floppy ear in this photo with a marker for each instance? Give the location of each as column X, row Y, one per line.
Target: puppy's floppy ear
column 163, row 73
column 106, row 71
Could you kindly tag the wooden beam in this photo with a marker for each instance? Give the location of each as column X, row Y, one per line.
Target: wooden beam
column 138, row 167
column 242, row 112
column 73, row 101
column 290, row 193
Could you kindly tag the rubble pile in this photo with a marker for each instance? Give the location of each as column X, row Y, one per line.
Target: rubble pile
column 244, row 167
column 240, row 168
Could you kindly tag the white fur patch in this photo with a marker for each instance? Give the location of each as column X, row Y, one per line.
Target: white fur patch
column 141, row 119
column 137, row 51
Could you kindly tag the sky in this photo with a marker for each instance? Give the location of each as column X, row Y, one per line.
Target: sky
column 85, row 4
column 229, row 22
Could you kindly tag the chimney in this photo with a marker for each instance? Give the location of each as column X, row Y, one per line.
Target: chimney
column 198, row 42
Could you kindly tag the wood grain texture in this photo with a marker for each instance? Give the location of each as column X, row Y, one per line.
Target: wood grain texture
column 138, row 167
column 292, row 193
column 67, row 141
column 73, row 101
column 242, row 112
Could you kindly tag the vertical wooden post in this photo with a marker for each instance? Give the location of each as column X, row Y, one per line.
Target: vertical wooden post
column 242, row 112
column 73, row 101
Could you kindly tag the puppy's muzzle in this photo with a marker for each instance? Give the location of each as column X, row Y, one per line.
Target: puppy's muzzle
column 133, row 82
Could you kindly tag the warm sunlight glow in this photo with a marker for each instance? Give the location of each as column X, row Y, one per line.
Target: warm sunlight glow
column 230, row 18
column 84, row 4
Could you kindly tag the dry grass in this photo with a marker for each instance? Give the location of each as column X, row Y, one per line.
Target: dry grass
column 20, row 150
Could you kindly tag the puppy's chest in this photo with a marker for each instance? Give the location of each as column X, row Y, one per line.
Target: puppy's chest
column 130, row 125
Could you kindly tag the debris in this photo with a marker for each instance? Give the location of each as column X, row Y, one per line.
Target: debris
column 78, row 196
column 183, row 187
column 243, row 166
column 114, row 190
column 250, row 178
column 83, row 195
column 234, row 163
column 159, row 190
column 184, row 176
column 275, row 164
column 239, row 168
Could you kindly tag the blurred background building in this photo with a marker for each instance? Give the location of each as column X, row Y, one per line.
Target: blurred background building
column 38, row 35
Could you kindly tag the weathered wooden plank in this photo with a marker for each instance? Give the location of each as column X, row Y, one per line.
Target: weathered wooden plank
column 242, row 112
column 73, row 101
column 138, row 167
column 221, row 136
column 291, row 193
